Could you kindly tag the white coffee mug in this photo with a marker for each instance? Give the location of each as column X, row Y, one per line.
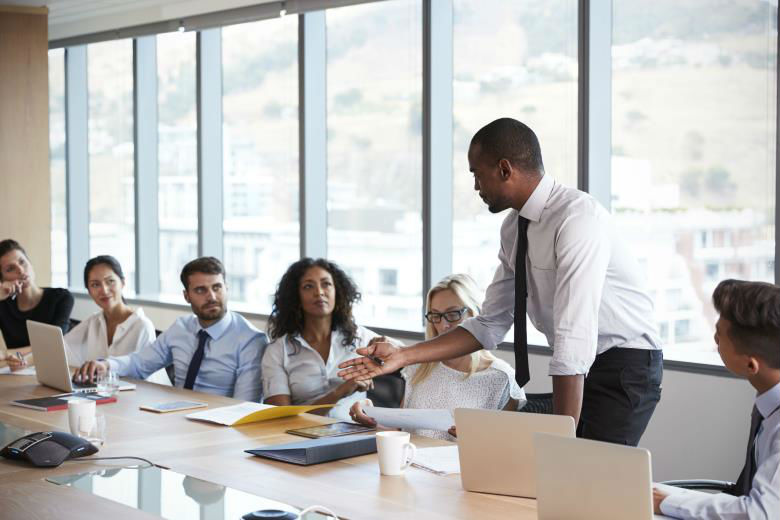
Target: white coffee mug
column 395, row 452
column 81, row 416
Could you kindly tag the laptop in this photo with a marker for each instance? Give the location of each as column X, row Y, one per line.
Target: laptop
column 590, row 480
column 51, row 359
column 496, row 449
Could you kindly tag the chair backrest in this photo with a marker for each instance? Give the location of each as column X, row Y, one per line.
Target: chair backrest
column 72, row 323
column 388, row 390
column 538, row 403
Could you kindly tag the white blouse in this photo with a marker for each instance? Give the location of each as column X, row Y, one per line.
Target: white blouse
column 89, row 339
column 446, row 389
column 292, row 367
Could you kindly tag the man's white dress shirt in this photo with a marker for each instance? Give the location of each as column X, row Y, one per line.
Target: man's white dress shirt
column 585, row 292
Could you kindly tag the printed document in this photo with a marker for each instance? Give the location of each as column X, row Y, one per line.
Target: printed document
column 411, row 418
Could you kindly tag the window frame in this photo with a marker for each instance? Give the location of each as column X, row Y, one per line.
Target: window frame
column 593, row 148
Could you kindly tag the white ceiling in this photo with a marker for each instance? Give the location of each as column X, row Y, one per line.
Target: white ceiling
column 69, row 18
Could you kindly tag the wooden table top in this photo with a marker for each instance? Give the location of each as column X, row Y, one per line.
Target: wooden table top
column 353, row 488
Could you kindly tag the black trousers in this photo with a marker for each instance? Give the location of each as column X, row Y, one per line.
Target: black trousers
column 621, row 391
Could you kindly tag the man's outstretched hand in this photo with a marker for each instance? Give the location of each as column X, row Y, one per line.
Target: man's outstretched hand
column 380, row 357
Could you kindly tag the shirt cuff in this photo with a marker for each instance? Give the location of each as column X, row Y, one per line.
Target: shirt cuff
column 273, row 387
column 672, row 505
column 481, row 332
column 113, row 365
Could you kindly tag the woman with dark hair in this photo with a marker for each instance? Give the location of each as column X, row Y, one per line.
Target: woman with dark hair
column 115, row 329
column 312, row 330
column 21, row 299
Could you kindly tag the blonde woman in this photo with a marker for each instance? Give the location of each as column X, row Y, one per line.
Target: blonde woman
column 478, row 380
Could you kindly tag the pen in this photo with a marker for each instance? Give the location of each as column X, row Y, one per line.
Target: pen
column 376, row 360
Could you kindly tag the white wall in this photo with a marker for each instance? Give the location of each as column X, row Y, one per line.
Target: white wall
column 699, row 429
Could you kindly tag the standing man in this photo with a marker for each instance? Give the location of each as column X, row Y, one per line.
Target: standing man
column 563, row 264
column 213, row 350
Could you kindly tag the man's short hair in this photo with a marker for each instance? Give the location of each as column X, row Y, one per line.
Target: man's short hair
column 508, row 138
column 753, row 309
column 204, row 264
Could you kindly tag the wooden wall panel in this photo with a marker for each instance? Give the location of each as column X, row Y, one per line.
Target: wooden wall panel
column 25, row 187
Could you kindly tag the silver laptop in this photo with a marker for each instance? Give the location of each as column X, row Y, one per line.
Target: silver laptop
column 51, row 359
column 496, row 449
column 590, row 480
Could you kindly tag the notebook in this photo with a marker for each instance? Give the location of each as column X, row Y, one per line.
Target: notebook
column 315, row 451
column 60, row 402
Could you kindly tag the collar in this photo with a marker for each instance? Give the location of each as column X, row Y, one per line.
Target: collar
column 769, row 401
column 218, row 329
column 533, row 207
column 335, row 339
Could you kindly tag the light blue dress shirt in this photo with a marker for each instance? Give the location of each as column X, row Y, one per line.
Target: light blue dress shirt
column 231, row 361
column 763, row 502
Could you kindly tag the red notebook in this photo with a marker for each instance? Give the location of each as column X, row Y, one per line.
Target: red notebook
column 60, row 402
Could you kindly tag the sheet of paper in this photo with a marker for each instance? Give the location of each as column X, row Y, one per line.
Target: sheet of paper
column 29, row 371
column 250, row 412
column 442, row 460
column 411, row 418
column 228, row 415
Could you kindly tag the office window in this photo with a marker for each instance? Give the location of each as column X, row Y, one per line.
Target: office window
column 111, row 153
column 693, row 135
column 178, row 156
column 375, row 154
column 518, row 60
column 260, row 136
column 59, row 221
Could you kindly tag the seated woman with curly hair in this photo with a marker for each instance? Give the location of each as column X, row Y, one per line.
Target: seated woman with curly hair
column 312, row 330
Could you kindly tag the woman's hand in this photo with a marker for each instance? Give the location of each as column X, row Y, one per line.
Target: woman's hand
column 350, row 387
column 356, row 412
column 9, row 288
column 17, row 360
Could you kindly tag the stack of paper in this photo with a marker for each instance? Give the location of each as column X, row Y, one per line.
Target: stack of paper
column 442, row 460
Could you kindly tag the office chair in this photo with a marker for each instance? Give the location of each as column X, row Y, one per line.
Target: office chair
column 538, row 403
column 388, row 390
column 169, row 369
column 703, row 485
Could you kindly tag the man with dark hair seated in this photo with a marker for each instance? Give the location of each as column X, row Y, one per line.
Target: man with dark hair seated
column 748, row 338
column 213, row 350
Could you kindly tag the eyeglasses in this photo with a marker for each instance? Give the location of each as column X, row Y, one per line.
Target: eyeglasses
column 450, row 316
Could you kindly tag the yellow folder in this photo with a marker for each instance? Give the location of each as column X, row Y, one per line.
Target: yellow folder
column 246, row 413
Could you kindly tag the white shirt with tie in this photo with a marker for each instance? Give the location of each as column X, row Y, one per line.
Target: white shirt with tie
column 585, row 292
column 763, row 502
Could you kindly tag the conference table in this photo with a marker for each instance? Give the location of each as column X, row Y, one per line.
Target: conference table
column 352, row 488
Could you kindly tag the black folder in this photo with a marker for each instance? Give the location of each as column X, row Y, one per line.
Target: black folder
column 315, row 451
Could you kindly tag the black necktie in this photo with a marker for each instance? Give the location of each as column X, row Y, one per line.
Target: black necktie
column 197, row 359
column 522, row 375
column 745, row 480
